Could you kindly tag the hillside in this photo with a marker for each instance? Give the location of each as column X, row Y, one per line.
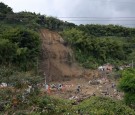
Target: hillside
column 92, row 48
column 36, row 48
column 57, row 59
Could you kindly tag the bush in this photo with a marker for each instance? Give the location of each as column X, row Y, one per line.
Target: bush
column 20, row 47
column 127, row 84
column 104, row 106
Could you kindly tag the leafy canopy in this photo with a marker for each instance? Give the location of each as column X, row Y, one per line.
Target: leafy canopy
column 91, row 50
column 127, row 84
column 19, row 47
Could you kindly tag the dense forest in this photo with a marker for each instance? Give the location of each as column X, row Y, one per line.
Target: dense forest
column 20, row 32
column 93, row 45
column 99, row 44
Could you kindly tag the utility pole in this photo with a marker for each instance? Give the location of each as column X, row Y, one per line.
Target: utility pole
column 45, row 78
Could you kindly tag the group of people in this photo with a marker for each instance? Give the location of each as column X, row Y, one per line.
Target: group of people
column 58, row 87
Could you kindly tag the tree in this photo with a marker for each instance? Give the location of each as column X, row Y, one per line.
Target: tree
column 127, row 84
column 7, row 51
column 20, row 47
column 4, row 9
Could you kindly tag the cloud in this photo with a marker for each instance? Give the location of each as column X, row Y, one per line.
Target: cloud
column 98, row 11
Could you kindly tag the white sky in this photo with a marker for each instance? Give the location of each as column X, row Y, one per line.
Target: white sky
column 112, row 11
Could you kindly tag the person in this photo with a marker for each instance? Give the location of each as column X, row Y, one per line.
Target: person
column 78, row 89
column 49, row 89
column 46, row 88
column 93, row 94
column 53, row 86
column 113, row 85
column 60, row 87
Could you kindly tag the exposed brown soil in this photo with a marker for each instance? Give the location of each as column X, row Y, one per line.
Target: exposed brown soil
column 57, row 59
column 60, row 67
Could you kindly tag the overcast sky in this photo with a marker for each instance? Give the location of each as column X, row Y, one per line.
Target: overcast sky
column 120, row 12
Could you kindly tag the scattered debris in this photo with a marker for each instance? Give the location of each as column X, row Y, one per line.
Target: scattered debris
column 3, row 85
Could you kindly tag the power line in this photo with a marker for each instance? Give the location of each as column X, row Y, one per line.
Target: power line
column 86, row 19
column 113, row 1
column 96, row 17
column 80, row 17
column 89, row 18
column 100, row 20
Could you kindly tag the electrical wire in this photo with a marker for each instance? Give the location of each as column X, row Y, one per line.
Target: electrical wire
column 86, row 19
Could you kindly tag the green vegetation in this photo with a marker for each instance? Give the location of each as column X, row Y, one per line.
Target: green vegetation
column 30, row 20
column 19, row 38
column 92, row 44
column 34, row 104
column 104, row 106
column 19, row 47
column 4, row 10
column 46, row 105
column 107, row 30
column 127, row 84
column 95, row 44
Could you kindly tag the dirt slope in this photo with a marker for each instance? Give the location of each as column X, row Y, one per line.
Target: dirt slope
column 57, row 59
